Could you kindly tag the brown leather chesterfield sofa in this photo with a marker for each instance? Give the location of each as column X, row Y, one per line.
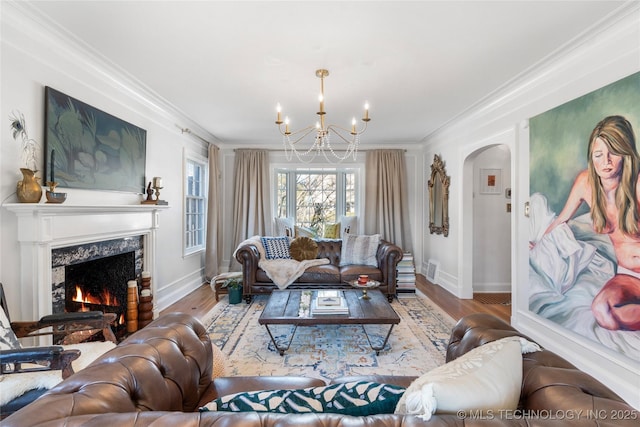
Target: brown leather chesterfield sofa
column 255, row 281
column 160, row 376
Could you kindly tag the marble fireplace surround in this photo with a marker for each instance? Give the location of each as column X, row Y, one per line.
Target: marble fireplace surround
column 45, row 227
column 97, row 267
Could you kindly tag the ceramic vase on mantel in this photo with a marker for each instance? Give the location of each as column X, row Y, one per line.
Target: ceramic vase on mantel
column 28, row 190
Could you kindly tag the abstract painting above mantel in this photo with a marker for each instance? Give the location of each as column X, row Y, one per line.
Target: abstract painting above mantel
column 572, row 267
column 91, row 149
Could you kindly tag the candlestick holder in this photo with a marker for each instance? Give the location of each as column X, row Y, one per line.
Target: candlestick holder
column 52, row 195
column 151, row 188
column 158, row 201
column 157, row 189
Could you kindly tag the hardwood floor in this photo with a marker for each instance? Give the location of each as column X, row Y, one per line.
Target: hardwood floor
column 458, row 308
column 199, row 302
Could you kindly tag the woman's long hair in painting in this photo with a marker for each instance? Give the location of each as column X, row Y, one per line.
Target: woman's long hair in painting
column 617, row 133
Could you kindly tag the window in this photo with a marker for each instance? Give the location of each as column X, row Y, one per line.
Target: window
column 281, row 192
column 315, row 197
column 195, row 204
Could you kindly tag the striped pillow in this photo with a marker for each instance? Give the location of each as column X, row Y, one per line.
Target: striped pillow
column 359, row 250
column 276, row 247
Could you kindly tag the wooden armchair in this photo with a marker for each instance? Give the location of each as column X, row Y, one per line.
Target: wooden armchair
column 65, row 328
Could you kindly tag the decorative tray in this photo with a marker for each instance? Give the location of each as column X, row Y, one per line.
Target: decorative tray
column 369, row 284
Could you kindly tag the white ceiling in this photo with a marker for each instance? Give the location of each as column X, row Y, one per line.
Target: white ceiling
column 419, row 64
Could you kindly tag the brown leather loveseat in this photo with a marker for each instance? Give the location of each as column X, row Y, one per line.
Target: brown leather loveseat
column 160, row 376
column 255, row 281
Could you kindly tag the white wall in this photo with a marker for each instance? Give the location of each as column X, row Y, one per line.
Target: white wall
column 32, row 57
column 491, row 224
column 605, row 54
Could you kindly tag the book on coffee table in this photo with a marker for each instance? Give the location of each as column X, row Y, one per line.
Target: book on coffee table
column 329, row 298
column 329, row 302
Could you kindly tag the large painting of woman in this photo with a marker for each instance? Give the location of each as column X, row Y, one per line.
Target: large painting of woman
column 585, row 221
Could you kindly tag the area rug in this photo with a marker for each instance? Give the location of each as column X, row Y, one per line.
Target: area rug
column 416, row 345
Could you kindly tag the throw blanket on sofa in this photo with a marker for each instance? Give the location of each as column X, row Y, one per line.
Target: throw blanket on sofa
column 282, row 272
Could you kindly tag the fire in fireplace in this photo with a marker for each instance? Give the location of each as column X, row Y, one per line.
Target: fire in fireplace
column 100, row 285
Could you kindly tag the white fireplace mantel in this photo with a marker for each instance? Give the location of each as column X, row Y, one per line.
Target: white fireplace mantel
column 43, row 227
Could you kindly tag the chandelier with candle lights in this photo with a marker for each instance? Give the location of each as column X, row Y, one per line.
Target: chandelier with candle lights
column 348, row 139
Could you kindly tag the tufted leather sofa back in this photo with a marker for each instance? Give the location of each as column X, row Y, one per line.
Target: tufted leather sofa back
column 549, row 382
column 331, row 249
column 256, row 281
column 165, row 366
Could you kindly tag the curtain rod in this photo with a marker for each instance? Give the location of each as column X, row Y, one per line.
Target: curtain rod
column 190, row 132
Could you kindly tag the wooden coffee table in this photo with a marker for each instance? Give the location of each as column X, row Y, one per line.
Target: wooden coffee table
column 283, row 308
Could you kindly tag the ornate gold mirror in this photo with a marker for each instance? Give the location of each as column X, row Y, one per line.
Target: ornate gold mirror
column 438, row 198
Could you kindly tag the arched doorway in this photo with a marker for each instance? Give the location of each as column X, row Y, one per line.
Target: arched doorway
column 485, row 223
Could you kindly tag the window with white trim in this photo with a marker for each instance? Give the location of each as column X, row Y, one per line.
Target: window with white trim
column 195, row 204
column 316, row 197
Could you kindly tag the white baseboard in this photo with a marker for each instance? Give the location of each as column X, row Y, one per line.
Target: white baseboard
column 172, row 292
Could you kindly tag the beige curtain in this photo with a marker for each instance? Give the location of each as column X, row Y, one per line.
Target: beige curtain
column 251, row 198
column 212, row 256
column 386, row 205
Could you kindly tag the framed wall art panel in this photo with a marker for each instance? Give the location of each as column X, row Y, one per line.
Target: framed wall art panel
column 490, row 181
column 91, row 149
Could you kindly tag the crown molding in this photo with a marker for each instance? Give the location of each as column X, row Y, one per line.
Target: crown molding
column 27, row 19
column 609, row 26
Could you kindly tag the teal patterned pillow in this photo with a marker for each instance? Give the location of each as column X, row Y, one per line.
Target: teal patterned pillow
column 353, row 398
column 276, row 247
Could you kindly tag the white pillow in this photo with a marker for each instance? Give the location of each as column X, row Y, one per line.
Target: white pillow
column 487, row 378
column 348, row 225
column 359, row 250
column 284, row 227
